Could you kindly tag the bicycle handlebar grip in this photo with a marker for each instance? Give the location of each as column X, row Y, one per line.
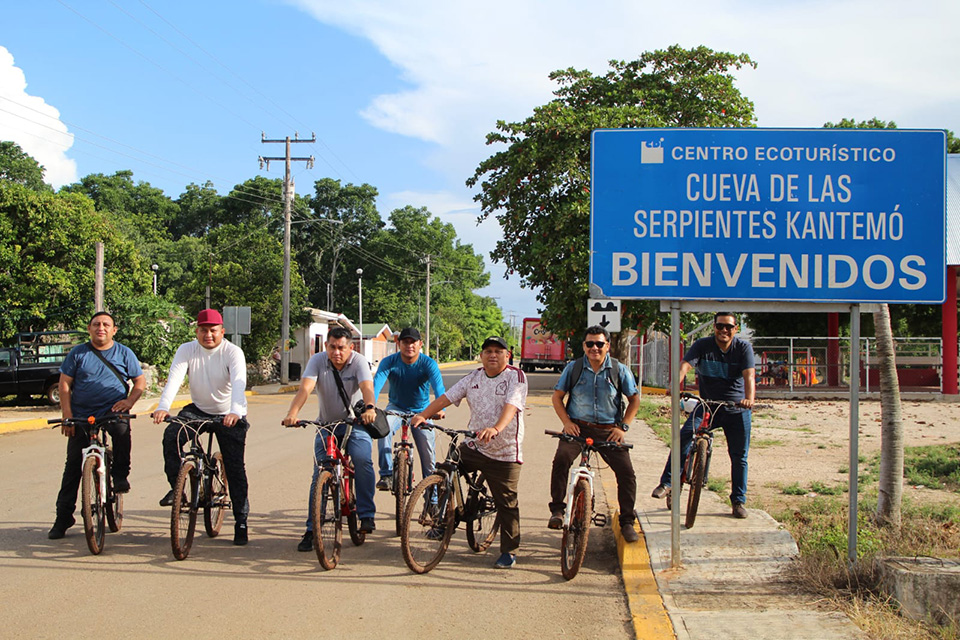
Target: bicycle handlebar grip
column 552, row 433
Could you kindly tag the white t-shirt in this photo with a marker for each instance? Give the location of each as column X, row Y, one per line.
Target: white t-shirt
column 487, row 398
column 218, row 378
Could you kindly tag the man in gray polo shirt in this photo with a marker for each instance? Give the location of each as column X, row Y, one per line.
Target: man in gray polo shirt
column 354, row 371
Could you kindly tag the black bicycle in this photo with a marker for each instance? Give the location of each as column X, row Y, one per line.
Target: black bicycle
column 102, row 507
column 201, row 484
column 437, row 506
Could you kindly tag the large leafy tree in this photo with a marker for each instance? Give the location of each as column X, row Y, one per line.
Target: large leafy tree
column 538, row 187
column 19, row 167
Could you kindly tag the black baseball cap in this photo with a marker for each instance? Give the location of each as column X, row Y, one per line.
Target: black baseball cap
column 409, row 332
column 497, row 340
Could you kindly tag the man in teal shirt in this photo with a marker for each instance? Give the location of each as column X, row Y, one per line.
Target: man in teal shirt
column 411, row 375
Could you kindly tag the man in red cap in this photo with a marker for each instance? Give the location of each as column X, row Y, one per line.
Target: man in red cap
column 218, row 380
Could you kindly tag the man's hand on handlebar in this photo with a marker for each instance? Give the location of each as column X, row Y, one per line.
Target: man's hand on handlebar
column 230, row 419
column 290, row 419
column 159, row 416
column 746, row 403
column 368, row 416
column 486, row 435
column 571, row 428
column 616, row 435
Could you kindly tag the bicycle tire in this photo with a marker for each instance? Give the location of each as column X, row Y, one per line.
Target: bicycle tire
column 183, row 512
column 217, row 497
column 93, row 512
column 357, row 537
column 428, row 526
column 401, row 477
column 480, row 515
column 698, row 466
column 573, row 546
column 327, row 521
column 114, row 504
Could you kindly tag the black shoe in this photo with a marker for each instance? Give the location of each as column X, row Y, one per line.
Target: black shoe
column 367, row 525
column 60, row 526
column 240, row 534
column 556, row 520
column 385, row 483
column 121, row 485
column 628, row 532
column 306, row 542
column 167, row 500
column 659, row 492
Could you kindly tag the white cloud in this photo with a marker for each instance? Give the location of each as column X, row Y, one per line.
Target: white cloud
column 33, row 124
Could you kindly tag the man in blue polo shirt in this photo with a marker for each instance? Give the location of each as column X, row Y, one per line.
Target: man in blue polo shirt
column 411, row 375
column 726, row 371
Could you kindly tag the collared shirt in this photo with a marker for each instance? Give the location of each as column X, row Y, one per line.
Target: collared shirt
column 721, row 373
column 355, row 371
column 594, row 398
column 487, row 398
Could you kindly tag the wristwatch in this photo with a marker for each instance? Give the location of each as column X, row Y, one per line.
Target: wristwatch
column 624, row 426
column 369, row 407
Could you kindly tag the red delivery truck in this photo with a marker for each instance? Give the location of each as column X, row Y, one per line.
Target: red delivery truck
column 540, row 348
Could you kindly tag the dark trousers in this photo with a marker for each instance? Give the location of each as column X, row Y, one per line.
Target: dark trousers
column 232, row 442
column 73, row 468
column 618, row 460
column 503, row 478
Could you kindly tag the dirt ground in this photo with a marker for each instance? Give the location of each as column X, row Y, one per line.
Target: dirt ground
column 807, row 441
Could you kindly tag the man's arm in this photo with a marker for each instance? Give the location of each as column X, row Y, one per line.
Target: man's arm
column 125, row 405
column 306, row 387
column 238, row 388
column 175, row 378
column 66, row 384
column 749, row 388
column 434, row 407
column 569, row 426
column 506, row 416
column 366, row 390
column 685, row 368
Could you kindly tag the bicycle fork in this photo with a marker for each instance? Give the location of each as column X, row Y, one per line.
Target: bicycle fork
column 99, row 453
column 599, row 519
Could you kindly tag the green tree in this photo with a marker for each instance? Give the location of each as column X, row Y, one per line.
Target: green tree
column 538, row 188
column 19, row 167
column 153, row 328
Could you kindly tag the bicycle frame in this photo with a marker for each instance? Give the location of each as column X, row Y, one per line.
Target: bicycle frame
column 98, row 449
column 197, row 453
column 584, row 471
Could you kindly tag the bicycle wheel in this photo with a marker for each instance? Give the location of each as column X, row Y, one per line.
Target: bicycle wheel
column 428, row 523
column 698, row 467
column 183, row 513
column 114, row 500
column 480, row 515
column 349, row 507
column 93, row 512
column 401, row 478
column 573, row 546
column 217, row 497
column 327, row 524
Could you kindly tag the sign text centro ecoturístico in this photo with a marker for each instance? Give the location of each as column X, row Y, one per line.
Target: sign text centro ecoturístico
column 815, row 215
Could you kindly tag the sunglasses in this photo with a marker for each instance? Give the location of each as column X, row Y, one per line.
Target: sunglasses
column 590, row 344
column 724, row 325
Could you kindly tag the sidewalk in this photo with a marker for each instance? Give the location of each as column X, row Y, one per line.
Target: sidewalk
column 729, row 584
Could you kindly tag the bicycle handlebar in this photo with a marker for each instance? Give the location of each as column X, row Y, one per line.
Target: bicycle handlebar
column 450, row 432
column 76, row 422
column 684, row 395
column 406, row 415
column 601, row 444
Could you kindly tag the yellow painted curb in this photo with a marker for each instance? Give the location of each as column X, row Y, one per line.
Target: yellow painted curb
column 24, row 425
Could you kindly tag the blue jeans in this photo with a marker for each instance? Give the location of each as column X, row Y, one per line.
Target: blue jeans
column 359, row 448
column 423, row 438
column 736, row 429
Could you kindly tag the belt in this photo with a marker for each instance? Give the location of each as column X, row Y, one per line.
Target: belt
column 593, row 425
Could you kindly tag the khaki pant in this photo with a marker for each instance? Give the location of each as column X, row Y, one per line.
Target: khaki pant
column 503, row 478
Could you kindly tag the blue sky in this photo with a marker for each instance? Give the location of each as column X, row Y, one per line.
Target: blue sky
column 401, row 93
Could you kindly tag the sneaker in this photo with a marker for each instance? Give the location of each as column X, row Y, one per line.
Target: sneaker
column 739, row 511
column 60, row 526
column 167, row 500
column 240, row 534
column 660, row 491
column 385, row 483
column 628, row 532
column 556, row 520
column 367, row 525
column 306, row 542
column 505, row 561
column 121, row 485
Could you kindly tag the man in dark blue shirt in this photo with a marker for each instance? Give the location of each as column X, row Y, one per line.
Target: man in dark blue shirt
column 726, row 371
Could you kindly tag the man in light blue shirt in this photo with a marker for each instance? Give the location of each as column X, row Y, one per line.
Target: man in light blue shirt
column 412, row 375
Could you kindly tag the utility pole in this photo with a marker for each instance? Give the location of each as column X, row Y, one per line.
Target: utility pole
column 426, row 343
column 288, row 191
column 98, row 279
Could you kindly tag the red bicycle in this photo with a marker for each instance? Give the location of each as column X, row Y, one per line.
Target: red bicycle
column 335, row 497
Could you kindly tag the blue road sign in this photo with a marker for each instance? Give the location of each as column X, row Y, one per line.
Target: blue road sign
column 808, row 215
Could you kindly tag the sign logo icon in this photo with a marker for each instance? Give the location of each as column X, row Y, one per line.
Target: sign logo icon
column 651, row 152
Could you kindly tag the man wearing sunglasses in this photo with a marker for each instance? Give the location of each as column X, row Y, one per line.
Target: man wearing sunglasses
column 595, row 410
column 726, row 371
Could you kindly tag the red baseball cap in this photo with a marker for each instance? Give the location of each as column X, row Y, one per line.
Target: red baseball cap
column 209, row 316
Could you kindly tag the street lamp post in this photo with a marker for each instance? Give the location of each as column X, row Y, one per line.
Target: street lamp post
column 154, row 267
column 360, row 289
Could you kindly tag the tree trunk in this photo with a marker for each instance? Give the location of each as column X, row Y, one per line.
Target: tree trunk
column 891, row 447
column 620, row 346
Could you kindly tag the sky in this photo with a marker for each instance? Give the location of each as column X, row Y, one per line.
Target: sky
column 401, row 94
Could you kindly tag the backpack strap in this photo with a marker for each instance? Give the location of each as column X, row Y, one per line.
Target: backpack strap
column 573, row 380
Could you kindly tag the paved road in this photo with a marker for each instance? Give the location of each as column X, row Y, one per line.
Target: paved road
column 136, row 588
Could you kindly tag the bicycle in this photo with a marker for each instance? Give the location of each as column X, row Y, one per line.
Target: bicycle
column 576, row 528
column 334, row 497
column 436, row 507
column 102, row 507
column 402, row 480
column 201, row 483
column 696, row 465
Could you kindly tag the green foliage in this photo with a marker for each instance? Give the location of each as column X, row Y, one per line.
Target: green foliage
column 18, row 167
column 153, row 328
column 794, row 490
column 539, row 186
column 934, row 466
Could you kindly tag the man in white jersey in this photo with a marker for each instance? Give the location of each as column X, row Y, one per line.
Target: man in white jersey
column 496, row 394
column 218, row 381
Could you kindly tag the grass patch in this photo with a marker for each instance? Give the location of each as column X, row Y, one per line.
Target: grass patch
column 765, row 443
column 934, row 466
column 718, row 485
column 657, row 417
column 796, row 489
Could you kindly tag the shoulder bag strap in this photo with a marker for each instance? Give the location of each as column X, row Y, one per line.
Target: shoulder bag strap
column 112, row 368
column 343, row 392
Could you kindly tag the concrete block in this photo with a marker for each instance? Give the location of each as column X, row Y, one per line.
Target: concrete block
column 925, row 588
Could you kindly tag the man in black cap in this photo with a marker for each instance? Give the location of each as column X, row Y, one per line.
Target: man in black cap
column 411, row 375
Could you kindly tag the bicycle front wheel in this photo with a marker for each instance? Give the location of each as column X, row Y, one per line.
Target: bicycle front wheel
column 327, row 524
column 217, row 497
column 114, row 506
column 573, row 546
column 698, row 470
column 401, row 486
column 428, row 523
column 349, row 507
column 94, row 524
column 481, row 517
column 183, row 513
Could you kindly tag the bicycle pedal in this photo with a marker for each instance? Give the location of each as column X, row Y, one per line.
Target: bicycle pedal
column 599, row 519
